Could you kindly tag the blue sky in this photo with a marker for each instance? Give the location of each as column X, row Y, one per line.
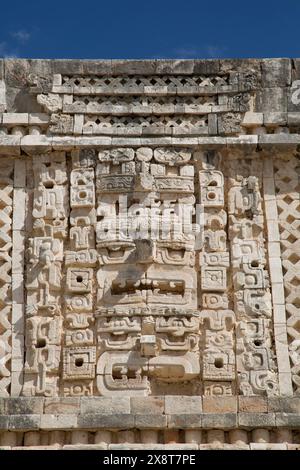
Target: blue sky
column 119, row 29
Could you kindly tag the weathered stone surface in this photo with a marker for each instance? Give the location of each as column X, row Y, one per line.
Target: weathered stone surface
column 151, row 421
column 183, row 404
column 85, row 447
column 144, row 405
column 36, row 448
column 255, row 446
column 55, row 406
column 219, row 404
column 285, row 405
column 105, row 405
column 293, row 446
column 52, row 421
column 104, row 421
column 4, row 422
column 276, row 72
column 24, row 422
column 223, row 447
column 24, row 405
column 153, row 447
column 288, row 420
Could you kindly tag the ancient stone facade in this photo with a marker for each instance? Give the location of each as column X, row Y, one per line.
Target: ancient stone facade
column 150, row 254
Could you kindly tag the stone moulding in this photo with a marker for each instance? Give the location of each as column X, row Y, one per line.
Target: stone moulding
column 149, row 254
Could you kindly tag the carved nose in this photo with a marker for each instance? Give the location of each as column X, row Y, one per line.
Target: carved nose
column 144, row 250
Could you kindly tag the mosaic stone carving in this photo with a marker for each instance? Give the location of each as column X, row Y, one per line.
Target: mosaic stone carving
column 149, row 235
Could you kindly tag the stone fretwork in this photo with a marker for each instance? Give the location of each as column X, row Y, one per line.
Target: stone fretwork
column 150, row 254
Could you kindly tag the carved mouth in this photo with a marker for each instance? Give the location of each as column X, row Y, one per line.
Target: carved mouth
column 154, row 286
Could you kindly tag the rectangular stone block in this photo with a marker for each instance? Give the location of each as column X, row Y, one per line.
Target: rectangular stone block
column 85, row 447
column 176, row 117
column 213, row 124
column 293, row 446
column 278, row 294
column 147, row 405
column 25, row 405
column 17, row 345
column 20, row 174
column 3, row 407
column 10, row 144
column 17, row 364
column 293, row 118
column 18, row 237
column 24, row 422
column 253, row 119
column 285, row 405
column 63, row 421
column 269, row 190
column 17, row 261
column 151, row 421
column 252, row 404
column 64, row 405
column 258, row 446
column 219, row 404
column 285, row 384
column 185, row 421
column 232, row 447
column 276, row 72
column 282, row 355
column 18, row 288
column 219, row 421
column 4, row 422
column 279, row 314
column 162, row 447
column 19, row 209
column 236, row 447
column 256, row 420
column 180, row 404
column 288, row 420
column 183, row 447
column 272, row 100
column 271, row 209
column 38, row 119
column 102, row 421
column 105, row 405
column 15, row 119
column 17, row 381
column 31, row 448
column 273, row 119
